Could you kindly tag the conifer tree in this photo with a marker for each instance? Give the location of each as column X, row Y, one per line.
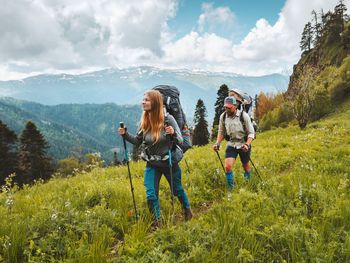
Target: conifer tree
column 340, row 11
column 219, row 108
column 200, row 132
column 306, row 38
column 8, row 151
column 34, row 163
column 316, row 28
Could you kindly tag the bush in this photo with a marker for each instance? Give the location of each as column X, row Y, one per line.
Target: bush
column 340, row 87
column 279, row 117
column 68, row 166
column 321, row 103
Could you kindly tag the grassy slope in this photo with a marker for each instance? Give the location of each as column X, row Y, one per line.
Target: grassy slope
column 300, row 211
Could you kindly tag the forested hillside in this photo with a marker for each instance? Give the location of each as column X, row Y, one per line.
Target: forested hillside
column 73, row 128
column 320, row 80
column 297, row 211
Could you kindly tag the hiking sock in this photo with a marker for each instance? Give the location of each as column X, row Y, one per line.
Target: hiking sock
column 247, row 175
column 229, row 180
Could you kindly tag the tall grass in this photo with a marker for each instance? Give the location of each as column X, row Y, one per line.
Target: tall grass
column 298, row 211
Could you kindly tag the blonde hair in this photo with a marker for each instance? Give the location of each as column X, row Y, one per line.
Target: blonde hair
column 153, row 120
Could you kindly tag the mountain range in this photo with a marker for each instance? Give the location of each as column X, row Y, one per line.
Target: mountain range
column 80, row 113
column 126, row 86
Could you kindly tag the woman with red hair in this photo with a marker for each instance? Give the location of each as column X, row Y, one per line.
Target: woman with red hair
column 153, row 136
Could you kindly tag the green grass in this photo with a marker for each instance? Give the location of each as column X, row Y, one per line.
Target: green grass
column 298, row 212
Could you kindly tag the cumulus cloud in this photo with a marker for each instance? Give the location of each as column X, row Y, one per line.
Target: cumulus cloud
column 266, row 48
column 44, row 35
column 72, row 36
column 212, row 18
column 276, row 47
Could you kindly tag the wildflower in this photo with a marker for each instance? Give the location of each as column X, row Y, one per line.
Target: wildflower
column 9, row 202
column 54, row 216
column 300, row 191
column 129, row 213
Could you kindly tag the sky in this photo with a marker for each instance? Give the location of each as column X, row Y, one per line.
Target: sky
column 248, row 37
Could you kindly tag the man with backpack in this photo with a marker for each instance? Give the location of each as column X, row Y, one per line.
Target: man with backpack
column 235, row 126
column 245, row 102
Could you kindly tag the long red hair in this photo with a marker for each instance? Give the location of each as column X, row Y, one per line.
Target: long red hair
column 153, row 120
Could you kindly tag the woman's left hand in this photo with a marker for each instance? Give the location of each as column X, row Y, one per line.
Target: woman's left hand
column 169, row 130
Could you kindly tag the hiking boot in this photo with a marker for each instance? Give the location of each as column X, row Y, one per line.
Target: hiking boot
column 188, row 214
column 156, row 223
column 229, row 196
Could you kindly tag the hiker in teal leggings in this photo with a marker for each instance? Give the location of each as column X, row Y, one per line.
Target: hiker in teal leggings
column 151, row 182
column 153, row 139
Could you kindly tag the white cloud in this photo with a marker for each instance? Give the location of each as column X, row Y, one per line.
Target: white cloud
column 72, row 36
column 265, row 49
column 277, row 46
column 211, row 18
column 44, row 35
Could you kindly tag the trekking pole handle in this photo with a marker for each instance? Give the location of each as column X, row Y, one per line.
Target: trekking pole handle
column 166, row 124
column 121, row 125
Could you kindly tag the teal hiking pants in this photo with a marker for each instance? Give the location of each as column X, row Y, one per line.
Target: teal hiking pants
column 152, row 178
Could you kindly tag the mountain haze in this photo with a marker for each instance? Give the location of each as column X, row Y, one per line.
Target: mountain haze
column 126, row 86
column 73, row 129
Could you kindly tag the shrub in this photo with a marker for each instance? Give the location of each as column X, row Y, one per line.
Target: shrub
column 68, row 166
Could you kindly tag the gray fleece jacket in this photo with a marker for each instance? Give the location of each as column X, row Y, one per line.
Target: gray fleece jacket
column 161, row 147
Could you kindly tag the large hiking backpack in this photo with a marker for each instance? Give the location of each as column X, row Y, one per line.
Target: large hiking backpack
column 246, row 104
column 245, row 101
column 171, row 101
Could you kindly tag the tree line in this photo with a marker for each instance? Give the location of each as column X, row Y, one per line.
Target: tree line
column 330, row 24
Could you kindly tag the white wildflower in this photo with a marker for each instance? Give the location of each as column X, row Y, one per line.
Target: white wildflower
column 9, row 202
column 54, row 216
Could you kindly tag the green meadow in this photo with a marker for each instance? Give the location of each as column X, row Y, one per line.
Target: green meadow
column 298, row 210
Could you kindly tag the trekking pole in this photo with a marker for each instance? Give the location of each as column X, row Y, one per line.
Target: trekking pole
column 256, row 170
column 169, row 139
column 221, row 161
column 127, row 162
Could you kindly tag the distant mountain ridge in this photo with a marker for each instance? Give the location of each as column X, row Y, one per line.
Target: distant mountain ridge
column 126, row 86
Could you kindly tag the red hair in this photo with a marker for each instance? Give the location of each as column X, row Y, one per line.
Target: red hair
column 153, row 120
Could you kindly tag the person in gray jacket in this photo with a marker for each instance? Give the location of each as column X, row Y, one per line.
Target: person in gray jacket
column 237, row 127
column 153, row 137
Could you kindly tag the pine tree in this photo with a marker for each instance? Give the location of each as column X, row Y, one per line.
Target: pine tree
column 316, row 28
column 219, row 108
column 8, row 152
column 340, row 11
column 306, row 38
column 34, row 162
column 200, row 132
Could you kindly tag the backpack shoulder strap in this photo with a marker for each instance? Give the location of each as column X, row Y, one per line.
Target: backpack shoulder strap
column 224, row 119
column 242, row 121
column 166, row 116
column 167, row 102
